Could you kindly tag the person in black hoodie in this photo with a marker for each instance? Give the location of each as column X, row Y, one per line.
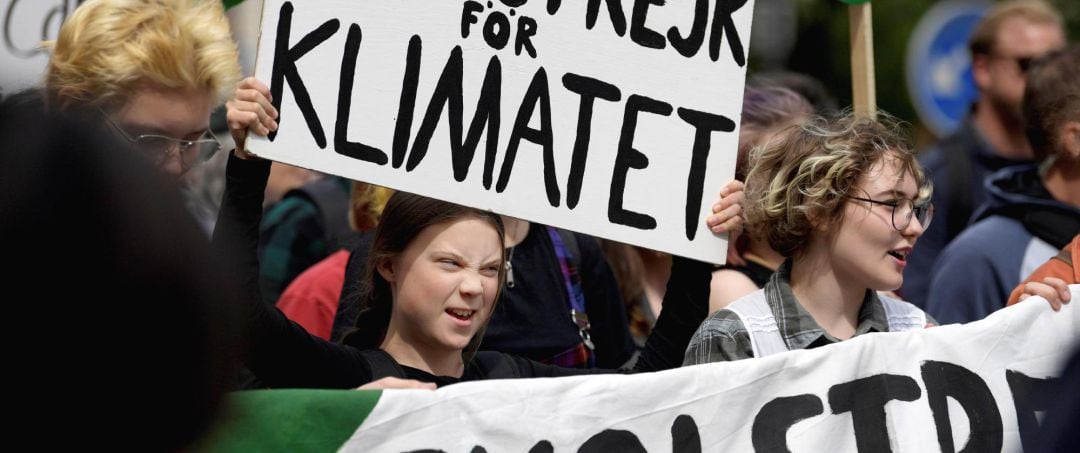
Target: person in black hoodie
column 1032, row 211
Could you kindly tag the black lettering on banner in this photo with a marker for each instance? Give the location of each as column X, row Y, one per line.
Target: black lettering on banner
column 1030, row 395
column 488, row 108
column 542, row 447
column 611, row 440
column 685, row 438
column 55, row 17
column 771, row 424
column 284, row 69
column 615, row 11
column 468, row 16
column 407, row 103
column 627, row 157
column 497, row 30
column 945, row 380
column 865, row 398
column 684, row 435
column 525, row 30
column 722, row 23
column 536, row 93
column 688, row 46
column 448, row 93
column 639, row 33
column 589, row 89
column 342, row 145
column 704, row 124
column 553, row 6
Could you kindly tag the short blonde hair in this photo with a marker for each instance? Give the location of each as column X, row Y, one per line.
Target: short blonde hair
column 802, row 176
column 367, row 202
column 983, row 39
column 109, row 49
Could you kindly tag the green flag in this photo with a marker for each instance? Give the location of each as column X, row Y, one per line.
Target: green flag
column 290, row 420
column 231, row 3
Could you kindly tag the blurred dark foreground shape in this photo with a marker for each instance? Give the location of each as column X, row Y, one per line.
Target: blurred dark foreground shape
column 119, row 322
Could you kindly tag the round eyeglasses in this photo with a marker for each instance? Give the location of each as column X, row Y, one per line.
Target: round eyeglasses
column 159, row 147
column 903, row 210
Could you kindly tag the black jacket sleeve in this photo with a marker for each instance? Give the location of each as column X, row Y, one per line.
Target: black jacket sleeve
column 280, row 352
column 686, row 304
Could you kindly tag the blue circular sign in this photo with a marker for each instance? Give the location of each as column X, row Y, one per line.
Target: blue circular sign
column 939, row 64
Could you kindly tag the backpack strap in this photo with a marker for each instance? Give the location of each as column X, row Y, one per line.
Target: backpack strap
column 569, row 254
column 757, row 317
column 382, row 364
column 902, row 316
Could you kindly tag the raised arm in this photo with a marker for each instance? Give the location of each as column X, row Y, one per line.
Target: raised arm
column 280, row 352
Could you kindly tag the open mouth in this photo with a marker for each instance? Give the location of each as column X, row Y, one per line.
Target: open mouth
column 463, row 315
column 899, row 254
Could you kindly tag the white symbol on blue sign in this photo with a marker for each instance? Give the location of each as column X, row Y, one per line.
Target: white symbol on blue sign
column 939, row 64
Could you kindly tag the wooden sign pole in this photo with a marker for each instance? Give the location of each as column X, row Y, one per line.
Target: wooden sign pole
column 864, row 95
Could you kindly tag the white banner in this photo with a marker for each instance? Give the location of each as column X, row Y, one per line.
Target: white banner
column 614, row 118
column 940, row 389
column 25, row 25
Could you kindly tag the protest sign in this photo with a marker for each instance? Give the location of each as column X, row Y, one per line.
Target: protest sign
column 613, row 118
column 25, row 25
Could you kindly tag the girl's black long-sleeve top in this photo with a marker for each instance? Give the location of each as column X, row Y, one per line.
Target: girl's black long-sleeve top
column 283, row 354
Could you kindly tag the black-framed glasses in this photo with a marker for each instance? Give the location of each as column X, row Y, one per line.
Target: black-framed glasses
column 158, row 147
column 904, row 210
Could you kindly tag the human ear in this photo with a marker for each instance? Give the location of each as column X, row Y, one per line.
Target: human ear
column 980, row 70
column 385, row 267
column 1070, row 139
column 821, row 221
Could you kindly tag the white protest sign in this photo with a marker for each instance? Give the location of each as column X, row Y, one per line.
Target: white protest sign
column 613, row 118
column 940, row 389
column 26, row 24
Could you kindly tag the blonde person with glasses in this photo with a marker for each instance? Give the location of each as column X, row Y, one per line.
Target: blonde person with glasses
column 153, row 69
column 843, row 201
column 173, row 155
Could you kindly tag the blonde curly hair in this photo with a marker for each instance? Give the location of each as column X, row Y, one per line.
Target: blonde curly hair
column 109, row 49
column 799, row 179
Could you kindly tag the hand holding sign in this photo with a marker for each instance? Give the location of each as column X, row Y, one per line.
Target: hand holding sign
column 725, row 216
column 1053, row 289
column 561, row 122
column 250, row 109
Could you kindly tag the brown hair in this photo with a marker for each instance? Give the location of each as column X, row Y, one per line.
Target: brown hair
column 1051, row 97
column 629, row 270
column 984, row 37
column 405, row 216
column 765, row 110
column 801, row 177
